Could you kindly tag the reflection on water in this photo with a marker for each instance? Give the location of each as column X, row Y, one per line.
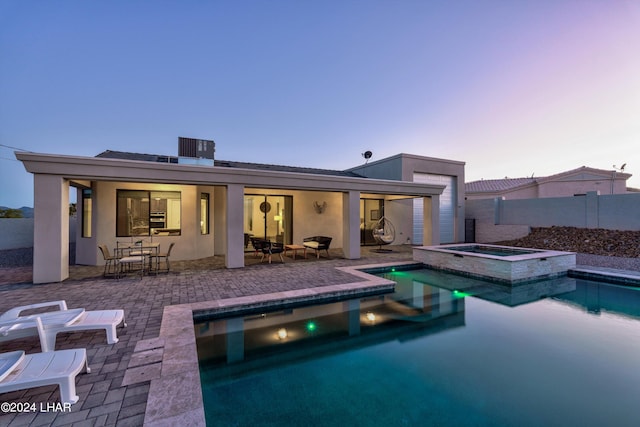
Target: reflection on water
column 597, row 297
column 490, row 291
column 258, row 340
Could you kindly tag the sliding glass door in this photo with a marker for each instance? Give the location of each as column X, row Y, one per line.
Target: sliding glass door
column 269, row 217
column 371, row 210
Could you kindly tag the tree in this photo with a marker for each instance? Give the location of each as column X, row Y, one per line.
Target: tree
column 10, row 213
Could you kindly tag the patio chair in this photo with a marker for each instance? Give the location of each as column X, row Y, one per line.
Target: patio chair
column 257, row 244
column 318, row 243
column 20, row 371
column 132, row 264
column 270, row 248
column 384, row 233
column 157, row 258
column 48, row 324
column 110, row 261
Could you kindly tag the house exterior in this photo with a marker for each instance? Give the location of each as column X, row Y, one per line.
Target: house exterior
column 575, row 182
column 209, row 207
column 428, row 171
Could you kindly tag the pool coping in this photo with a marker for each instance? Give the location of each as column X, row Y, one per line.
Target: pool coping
column 606, row 275
column 175, row 393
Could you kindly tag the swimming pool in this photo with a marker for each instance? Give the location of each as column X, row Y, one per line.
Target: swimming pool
column 441, row 350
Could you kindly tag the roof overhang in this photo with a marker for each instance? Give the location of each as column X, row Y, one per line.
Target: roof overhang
column 77, row 168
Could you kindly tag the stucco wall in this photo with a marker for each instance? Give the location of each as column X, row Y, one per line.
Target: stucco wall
column 562, row 186
column 498, row 219
column 189, row 245
column 572, row 187
column 404, row 166
column 306, row 221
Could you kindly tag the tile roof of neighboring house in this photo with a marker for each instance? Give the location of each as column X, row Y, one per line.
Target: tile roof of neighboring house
column 495, row 185
column 123, row 155
column 507, row 184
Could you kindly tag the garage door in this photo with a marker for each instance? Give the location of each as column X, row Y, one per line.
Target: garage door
column 447, row 207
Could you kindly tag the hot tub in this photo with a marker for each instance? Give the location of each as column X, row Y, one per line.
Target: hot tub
column 500, row 263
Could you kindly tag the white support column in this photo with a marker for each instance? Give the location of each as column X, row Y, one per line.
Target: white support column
column 51, row 229
column 431, row 221
column 234, row 254
column 351, row 224
column 219, row 220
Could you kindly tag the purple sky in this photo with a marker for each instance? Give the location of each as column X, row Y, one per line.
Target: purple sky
column 513, row 88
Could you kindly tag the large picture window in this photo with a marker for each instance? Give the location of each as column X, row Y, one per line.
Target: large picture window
column 144, row 213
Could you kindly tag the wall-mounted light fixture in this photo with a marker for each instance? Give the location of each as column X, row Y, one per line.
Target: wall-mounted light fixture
column 319, row 208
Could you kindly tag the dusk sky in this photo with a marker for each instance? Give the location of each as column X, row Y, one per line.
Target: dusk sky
column 511, row 87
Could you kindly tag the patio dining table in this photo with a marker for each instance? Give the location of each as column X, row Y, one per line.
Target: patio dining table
column 141, row 248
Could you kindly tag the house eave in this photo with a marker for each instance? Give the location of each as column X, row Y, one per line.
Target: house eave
column 105, row 169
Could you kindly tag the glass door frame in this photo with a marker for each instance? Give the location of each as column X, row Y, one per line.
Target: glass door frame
column 269, row 216
column 371, row 210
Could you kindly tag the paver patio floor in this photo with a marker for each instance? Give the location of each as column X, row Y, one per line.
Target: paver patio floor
column 103, row 398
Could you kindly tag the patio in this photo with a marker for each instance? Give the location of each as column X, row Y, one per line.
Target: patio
column 103, row 399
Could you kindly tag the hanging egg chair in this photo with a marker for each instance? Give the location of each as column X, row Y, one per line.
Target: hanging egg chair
column 384, row 233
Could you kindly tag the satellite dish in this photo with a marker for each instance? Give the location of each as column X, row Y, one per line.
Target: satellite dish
column 367, row 155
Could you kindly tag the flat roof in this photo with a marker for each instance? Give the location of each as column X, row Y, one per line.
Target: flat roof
column 110, row 169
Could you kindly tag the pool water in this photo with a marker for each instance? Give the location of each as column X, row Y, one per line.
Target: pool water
column 490, row 250
column 440, row 351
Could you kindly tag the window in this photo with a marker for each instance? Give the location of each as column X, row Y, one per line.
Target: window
column 269, row 217
column 144, row 213
column 86, row 213
column 204, row 213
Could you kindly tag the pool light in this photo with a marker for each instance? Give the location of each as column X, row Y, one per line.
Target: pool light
column 371, row 317
column 282, row 333
column 460, row 294
column 311, row 326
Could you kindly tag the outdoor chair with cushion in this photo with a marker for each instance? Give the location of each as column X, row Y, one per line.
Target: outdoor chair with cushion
column 317, row 243
column 271, row 248
column 132, row 264
column 46, row 325
column 20, row 371
column 156, row 259
column 110, row 261
column 258, row 244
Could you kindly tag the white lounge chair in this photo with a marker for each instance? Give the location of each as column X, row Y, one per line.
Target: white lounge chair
column 13, row 325
column 19, row 371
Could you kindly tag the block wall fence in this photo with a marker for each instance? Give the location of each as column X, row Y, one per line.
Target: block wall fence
column 498, row 219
